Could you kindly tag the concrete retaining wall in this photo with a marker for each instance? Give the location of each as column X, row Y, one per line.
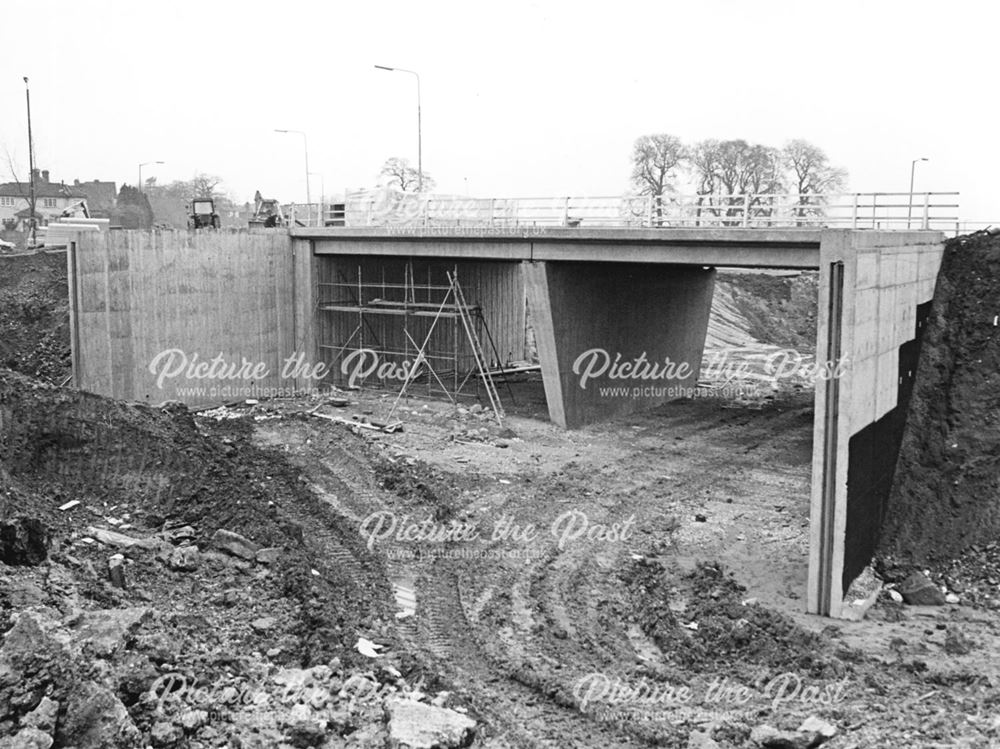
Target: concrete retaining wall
column 147, row 303
column 875, row 291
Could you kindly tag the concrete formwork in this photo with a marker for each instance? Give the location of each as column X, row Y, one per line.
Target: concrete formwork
column 874, row 295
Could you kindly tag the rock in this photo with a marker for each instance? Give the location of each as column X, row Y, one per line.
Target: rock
column 415, row 725
column 27, row 738
column 818, row 730
column 918, row 590
column 96, row 719
column 184, row 559
column 120, row 540
column 952, row 598
column 699, row 740
column 23, row 541
column 116, row 570
column 306, row 732
column 269, row 555
column 43, row 717
column 179, row 535
column 957, row 643
column 106, row 631
column 263, row 624
column 192, row 720
column 895, row 595
column 771, row 738
column 235, row 544
column 22, row 594
column 165, row 733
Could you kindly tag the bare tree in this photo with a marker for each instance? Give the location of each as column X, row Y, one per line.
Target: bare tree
column 811, row 175
column 736, row 177
column 654, row 161
column 21, row 189
column 204, row 185
column 398, row 172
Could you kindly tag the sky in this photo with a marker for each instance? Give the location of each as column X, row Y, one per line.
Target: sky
column 518, row 99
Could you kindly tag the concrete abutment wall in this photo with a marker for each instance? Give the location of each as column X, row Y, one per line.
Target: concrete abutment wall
column 874, row 295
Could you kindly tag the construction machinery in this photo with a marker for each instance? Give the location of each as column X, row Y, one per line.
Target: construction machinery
column 76, row 210
column 267, row 213
column 202, row 214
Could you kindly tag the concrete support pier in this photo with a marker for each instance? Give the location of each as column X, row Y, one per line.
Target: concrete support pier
column 615, row 338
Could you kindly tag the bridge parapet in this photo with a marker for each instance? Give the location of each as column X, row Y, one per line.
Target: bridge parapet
column 859, row 210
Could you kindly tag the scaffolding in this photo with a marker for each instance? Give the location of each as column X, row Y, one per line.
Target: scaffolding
column 410, row 335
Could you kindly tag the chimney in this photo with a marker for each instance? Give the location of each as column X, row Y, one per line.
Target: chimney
column 45, row 176
column 35, row 176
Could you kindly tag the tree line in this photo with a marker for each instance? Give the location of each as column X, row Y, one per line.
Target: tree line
column 717, row 170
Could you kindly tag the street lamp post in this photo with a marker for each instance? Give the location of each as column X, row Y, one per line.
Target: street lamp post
column 145, row 163
column 913, row 168
column 420, row 156
column 31, row 167
column 305, row 148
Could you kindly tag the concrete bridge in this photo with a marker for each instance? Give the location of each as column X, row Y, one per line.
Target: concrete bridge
column 641, row 296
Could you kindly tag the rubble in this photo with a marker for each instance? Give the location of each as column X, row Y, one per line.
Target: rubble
column 235, row 544
column 918, row 590
column 414, row 725
column 23, row 540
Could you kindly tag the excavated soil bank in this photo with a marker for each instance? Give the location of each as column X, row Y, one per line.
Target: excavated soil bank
column 944, row 499
column 34, row 316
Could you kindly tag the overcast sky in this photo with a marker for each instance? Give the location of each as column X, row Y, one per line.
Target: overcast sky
column 519, row 98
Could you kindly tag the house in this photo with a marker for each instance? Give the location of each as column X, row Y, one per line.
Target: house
column 51, row 199
column 102, row 197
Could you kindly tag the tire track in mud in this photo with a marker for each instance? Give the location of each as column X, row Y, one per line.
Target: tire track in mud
column 519, row 710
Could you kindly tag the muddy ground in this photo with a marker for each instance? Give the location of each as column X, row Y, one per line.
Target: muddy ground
column 284, row 578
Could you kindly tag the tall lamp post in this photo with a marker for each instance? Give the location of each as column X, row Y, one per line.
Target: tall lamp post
column 31, row 167
column 913, row 168
column 420, row 158
column 305, row 148
column 145, row 163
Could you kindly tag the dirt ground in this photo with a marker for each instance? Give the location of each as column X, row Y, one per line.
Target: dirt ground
column 34, row 315
column 284, row 578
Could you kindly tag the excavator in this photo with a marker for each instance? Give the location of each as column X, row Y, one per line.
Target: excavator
column 76, row 210
column 267, row 213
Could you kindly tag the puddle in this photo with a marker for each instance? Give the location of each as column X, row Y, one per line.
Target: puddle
column 404, row 589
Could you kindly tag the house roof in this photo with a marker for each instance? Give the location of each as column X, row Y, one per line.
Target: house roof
column 99, row 194
column 42, row 190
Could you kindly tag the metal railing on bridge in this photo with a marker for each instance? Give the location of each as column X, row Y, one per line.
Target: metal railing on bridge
column 860, row 210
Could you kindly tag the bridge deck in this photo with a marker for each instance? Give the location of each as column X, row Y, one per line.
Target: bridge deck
column 728, row 247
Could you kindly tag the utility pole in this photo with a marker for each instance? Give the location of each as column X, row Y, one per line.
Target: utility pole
column 31, row 167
